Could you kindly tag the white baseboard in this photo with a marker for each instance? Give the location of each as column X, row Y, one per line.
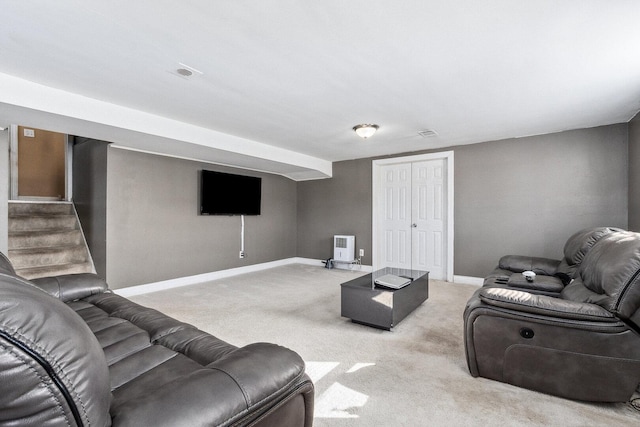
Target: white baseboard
column 337, row 265
column 200, row 278
column 222, row 274
column 468, row 280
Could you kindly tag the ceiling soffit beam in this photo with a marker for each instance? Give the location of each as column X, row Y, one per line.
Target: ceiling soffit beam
column 26, row 94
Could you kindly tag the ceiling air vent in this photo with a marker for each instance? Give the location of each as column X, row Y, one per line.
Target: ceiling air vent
column 426, row 133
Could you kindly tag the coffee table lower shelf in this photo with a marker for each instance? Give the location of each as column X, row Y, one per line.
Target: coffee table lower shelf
column 383, row 308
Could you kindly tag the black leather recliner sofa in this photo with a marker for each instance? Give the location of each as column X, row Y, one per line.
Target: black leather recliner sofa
column 72, row 353
column 583, row 344
column 551, row 275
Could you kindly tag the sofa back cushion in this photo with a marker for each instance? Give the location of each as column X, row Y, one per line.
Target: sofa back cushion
column 52, row 369
column 609, row 275
column 577, row 247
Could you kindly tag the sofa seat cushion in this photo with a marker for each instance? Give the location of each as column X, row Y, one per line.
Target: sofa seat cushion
column 167, row 372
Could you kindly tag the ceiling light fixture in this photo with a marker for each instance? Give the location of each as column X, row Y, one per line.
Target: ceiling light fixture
column 365, row 131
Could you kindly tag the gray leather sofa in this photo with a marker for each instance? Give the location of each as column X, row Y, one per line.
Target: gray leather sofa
column 551, row 275
column 73, row 353
column 583, row 344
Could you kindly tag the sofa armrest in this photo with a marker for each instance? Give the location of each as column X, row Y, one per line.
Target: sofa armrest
column 545, row 305
column 520, row 263
column 234, row 390
column 71, row 287
column 539, row 284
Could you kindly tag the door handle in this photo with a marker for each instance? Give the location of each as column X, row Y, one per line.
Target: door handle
column 414, row 225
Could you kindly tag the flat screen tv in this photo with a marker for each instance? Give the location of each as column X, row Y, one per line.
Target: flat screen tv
column 228, row 194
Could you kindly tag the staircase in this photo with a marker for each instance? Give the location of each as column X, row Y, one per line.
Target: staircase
column 45, row 239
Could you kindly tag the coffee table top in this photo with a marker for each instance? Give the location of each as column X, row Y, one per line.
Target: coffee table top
column 368, row 280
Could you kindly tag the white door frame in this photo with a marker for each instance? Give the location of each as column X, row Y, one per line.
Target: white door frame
column 447, row 156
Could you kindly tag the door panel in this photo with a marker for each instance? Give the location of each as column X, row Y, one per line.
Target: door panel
column 396, row 219
column 428, row 217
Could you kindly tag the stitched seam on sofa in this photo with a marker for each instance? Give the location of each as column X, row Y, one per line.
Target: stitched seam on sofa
column 68, row 384
column 557, row 350
column 625, row 290
column 269, row 397
column 247, row 399
column 141, row 373
column 178, row 328
column 551, row 311
column 124, row 355
column 184, row 345
column 275, row 407
column 611, row 328
column 42, row 378
column 60, row 296
column 106, row 326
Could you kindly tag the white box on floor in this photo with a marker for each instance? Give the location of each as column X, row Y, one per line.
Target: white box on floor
column 344, row 248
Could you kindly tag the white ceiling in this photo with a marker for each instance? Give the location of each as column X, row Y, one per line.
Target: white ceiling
column 284, row 81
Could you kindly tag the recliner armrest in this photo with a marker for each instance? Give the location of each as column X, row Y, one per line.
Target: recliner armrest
column 545, row 305
column 71, row 287
column 520, row 263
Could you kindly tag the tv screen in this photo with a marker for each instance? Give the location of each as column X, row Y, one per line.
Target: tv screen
column 228, row 194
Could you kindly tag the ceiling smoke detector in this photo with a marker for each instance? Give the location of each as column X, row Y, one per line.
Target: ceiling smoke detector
column 186, row 71
column 426, row 133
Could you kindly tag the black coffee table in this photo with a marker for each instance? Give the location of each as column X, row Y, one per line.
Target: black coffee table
column 366, row 303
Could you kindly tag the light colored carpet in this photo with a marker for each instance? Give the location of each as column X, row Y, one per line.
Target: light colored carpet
column 415, row 375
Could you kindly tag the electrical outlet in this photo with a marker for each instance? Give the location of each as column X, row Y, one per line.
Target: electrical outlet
column 361, row 252
column 242, row 254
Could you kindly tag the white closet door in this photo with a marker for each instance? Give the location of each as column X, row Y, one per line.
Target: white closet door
column 412, row 216
column 429, row 217
column 394, row 210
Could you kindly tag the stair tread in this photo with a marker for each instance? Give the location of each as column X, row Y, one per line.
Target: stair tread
column 17, row 208
column 43, row 232
column 45, row 249
column 54, row 270
column 46, row 267
column 46, row 240
column 41, row 215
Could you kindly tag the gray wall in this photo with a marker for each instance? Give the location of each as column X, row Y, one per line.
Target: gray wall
column 90, row 196
column 634, row 173
column 4, row 191
column 527, row 196
column 154, row 231
column 524, row 196
column 339, row 205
